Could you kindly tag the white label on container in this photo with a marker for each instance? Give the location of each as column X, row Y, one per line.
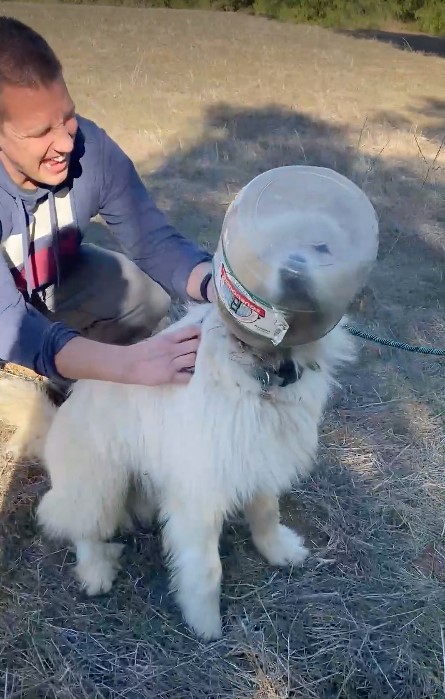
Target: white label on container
column 246, row 310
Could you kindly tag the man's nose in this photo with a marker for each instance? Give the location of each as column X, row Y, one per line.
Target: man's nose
column 63, row 141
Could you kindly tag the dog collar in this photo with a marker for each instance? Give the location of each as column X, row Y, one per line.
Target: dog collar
column 287, row 373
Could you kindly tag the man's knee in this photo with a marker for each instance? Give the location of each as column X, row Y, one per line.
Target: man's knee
column 110, row 299
column 154, row 303
column 143, row 305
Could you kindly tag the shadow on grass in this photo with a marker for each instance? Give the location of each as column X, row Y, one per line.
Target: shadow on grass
column 359, row 620
column 431, row 45
column 429, row 111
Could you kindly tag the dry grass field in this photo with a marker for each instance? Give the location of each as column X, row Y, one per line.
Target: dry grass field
column 202, row 109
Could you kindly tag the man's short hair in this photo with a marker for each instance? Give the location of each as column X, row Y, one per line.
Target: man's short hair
column 26, row 59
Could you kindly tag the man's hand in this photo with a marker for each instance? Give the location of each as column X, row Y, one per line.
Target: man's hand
column 165, row 358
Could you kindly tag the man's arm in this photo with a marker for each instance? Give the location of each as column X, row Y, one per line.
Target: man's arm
column 164, row 358
column 144, row 232
column 27, row 337
column 31, row 340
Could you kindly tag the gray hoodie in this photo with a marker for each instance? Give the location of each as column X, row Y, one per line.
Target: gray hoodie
column 41, row 231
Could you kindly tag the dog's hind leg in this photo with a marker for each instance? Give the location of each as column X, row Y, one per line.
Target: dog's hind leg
column 191, row 539
column 84, row 518
column 279, row 545
column 85, row 507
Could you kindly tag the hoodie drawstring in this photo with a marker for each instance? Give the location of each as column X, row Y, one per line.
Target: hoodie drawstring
column 54, row 233
column 26, row 239
column 26, row 242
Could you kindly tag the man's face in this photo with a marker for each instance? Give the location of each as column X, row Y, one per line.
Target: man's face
column 37, row 133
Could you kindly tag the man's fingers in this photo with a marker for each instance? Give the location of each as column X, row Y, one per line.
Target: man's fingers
column 182, row 377
column 188, row 333
column 185, row 361
column 186, row 347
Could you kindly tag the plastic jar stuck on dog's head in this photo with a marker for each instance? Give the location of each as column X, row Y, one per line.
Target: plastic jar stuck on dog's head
column 297, row 244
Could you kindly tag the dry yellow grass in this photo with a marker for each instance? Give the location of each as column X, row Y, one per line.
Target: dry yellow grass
column 203, row 102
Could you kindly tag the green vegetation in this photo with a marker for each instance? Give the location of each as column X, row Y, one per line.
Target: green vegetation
column 423, row 15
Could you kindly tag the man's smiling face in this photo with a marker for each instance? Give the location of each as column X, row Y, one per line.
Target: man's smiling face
column 37, row 130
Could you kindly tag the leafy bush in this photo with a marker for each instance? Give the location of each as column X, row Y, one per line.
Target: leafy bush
column 426, row 15
column 431, row 17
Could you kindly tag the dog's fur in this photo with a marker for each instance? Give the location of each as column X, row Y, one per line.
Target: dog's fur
column 191, row 454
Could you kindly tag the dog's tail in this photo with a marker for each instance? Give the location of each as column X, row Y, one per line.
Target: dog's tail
column 26, row 406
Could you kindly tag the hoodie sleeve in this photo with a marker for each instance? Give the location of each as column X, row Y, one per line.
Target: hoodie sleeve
column 27, row 337
column 142, row 229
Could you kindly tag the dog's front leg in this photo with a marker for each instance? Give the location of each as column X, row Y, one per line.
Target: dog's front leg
column 279, row 545
column 191, row 538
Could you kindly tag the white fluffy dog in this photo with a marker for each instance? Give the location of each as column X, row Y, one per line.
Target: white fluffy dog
column 191, row 454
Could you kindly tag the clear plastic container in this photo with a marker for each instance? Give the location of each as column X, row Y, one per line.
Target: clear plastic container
column 297, row 244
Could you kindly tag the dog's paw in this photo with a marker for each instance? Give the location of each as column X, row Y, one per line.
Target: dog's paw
column 97, row 575
column 283, row 547
column 202, row 616
column 205, row 623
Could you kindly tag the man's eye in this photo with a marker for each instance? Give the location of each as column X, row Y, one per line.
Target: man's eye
column 41, row 134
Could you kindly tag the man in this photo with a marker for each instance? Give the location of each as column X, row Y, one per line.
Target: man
column 69, row 310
